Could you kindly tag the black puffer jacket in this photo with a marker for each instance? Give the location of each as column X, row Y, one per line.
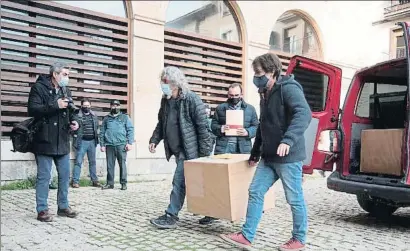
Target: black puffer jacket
column 53, row 136
column 193, row 124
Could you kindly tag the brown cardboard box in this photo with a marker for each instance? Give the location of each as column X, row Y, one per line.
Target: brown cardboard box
column 217, row 186
column 381, row 151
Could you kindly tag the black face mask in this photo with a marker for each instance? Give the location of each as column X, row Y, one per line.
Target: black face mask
column 115, row 110
column 85, row 109
column 234, row 101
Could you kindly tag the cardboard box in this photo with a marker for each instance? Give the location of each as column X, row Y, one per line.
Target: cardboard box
column 217, row 186
column 381, row 151
column 234, row 119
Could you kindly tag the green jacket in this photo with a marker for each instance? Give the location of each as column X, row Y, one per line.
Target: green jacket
column 116, row 130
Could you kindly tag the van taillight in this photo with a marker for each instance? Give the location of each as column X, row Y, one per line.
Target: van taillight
column 329, row 141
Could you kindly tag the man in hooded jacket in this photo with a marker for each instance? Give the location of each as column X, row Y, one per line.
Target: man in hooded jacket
column 280, row 147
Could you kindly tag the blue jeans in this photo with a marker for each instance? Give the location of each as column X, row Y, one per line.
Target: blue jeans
column 86, row 146
column 178, row 192
column 265, row 176
column 44, row 165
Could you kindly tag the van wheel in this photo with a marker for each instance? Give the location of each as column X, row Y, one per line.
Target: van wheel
column 375, row 208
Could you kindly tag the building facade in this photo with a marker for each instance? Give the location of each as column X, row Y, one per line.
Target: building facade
column 118, row 49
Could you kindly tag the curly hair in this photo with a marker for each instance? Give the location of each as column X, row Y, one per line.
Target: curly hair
column 269, row 62
column 175, row 77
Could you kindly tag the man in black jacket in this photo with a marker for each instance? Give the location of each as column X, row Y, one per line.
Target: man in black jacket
column 280, row 142
column 85, row 141
column 182, row 124
column 49, row 103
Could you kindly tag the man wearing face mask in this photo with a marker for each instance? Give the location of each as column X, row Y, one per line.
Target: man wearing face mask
column 48, row 104
column 182, row 124
column 85, row 141
column 280, row 143
column 241, row 144
column 116, row 139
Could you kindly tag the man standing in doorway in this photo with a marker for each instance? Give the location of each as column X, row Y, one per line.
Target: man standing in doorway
column 48, row 103
column 116, row 139
column 85, row 140
column 182, row 124
column 280, row 143
column 240, row 144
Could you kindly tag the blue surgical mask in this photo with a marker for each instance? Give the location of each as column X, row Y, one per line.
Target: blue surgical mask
column 166, row 89
column 63, row 82
column 260, row 82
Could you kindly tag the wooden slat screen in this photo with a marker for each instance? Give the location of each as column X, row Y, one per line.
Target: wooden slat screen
column 34, row 34
column 284, row 58
column 211, row 65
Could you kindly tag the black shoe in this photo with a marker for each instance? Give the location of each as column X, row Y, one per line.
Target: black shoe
column 124, row 187
column 165, row 222
column 107, row 187
column 67, row 212
column 207, row 220
column 52, row 186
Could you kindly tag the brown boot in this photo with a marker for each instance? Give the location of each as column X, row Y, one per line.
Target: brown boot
column 44, row 216
column 96, row 184
column 67, row 213
column 76, row 185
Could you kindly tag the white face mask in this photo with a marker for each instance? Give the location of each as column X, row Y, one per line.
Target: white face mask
column 63, row 82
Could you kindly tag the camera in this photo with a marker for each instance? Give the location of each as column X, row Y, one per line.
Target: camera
column 71, row 106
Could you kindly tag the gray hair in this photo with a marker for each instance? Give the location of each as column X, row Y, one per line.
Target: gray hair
column 57, row 67
column 175, row 77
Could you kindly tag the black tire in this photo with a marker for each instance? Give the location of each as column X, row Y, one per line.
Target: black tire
column 375, row 208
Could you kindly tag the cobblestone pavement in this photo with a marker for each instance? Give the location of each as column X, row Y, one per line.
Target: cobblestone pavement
column 119, row 220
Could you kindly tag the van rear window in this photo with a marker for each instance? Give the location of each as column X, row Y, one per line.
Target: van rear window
column 315, row 87
column 376, row 98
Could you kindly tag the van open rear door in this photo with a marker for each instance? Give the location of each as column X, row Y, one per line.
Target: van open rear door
column 406, row 158
column 321, row 84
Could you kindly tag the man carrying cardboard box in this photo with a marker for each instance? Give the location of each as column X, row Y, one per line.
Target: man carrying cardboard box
column 240, row 141
column 182, row 124
column 285, row 115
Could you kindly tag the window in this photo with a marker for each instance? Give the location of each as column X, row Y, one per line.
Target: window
column 205, row 18
column 397, row 44
column 400, row 47
column 373, row 98
column 315, row 87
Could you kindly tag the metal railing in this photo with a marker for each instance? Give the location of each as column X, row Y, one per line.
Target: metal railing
column 305, row 46
column 397, row 6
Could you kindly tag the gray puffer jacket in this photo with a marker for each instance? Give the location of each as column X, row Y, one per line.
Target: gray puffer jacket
column 193, row 124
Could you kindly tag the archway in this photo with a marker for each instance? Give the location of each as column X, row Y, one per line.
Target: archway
column 296, row 33
column 206, row 40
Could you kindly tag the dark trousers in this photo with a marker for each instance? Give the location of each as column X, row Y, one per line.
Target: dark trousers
column 116, row 153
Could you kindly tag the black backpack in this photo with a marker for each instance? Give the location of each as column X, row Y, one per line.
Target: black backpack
column 22, row 135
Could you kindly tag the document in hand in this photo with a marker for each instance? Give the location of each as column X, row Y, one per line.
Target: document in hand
column 234, row 119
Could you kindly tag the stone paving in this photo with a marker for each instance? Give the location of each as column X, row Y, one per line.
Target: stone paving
column 119, row 220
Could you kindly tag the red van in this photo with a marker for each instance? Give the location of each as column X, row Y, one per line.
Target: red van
column 378, row 98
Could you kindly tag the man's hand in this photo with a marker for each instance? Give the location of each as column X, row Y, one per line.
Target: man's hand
column 242, row 132
column 102, row 149
column 74, row 126
column 283, row 150
column 224, row 128
column 62, row 103
column 253, row 161
column 152, row 147
column 128, row 147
